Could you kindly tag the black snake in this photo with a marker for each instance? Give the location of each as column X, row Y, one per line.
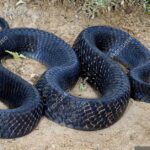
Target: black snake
column 123, row 48
column 95, row 47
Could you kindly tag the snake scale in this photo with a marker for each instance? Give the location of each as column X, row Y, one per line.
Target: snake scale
column 93, row 56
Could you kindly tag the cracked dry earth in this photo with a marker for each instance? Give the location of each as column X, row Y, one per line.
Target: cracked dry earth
column 133, row 129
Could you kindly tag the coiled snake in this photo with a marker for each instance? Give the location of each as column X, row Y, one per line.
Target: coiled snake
column 123, row 48
column 94, row 47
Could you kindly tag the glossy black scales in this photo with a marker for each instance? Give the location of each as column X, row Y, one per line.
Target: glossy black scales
column 95, row 47
column 121, row 47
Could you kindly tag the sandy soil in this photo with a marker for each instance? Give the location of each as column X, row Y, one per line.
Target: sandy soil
column 133, row 129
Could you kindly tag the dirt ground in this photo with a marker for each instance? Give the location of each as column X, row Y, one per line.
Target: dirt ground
column 133, row 129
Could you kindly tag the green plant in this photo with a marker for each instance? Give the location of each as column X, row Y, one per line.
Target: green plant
column 147, row 6
column 92, row 7
column 15, row 55
column 82, row 85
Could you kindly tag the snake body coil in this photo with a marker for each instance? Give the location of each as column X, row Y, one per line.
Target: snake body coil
column 96, row 47
column 120, row 46
column 62, row 72
column 23, row 98
column 81, row 113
